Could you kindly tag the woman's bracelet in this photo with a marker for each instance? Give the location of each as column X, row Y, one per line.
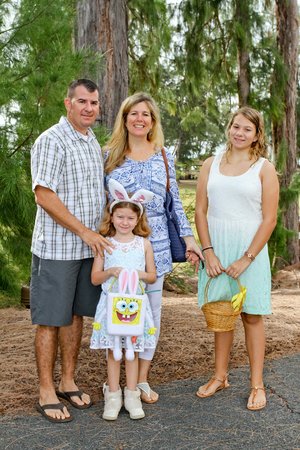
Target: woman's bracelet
column 250, row 256
column 207, row 248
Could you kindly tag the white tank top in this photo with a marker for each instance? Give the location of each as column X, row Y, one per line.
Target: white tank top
column 235, row 197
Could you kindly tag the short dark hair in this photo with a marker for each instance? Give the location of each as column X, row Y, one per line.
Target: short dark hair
column 88, row 84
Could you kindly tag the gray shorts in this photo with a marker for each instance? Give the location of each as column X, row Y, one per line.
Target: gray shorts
column 61, row 289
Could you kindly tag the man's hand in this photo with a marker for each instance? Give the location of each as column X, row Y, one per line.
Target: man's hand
column 96, row 242
column 53, row 206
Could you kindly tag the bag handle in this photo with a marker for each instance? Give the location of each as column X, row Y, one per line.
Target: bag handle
column 163, row 152
column 113, row 281
column 208, row 284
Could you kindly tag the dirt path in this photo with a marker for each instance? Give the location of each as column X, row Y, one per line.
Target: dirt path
column 185, row 348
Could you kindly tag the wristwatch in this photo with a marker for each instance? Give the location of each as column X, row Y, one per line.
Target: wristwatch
column 250, row 256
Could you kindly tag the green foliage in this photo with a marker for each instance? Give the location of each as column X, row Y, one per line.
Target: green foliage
column 36, row 65
column 291, row 193
column 149, row 35
column 183, row 53
column 198, row 83
column 9, row 300
column 289, row 183
column 277, row 89
column 277, row 244
column 179, row 280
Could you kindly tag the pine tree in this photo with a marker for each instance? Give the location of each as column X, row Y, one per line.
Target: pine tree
column 101, row 29
column 284, row 94
column 36, row 65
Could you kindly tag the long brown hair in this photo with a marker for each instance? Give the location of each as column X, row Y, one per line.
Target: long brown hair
column 141, row 229
column 259, row 147
column 118, row 143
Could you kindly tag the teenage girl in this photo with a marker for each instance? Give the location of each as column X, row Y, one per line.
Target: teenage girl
column 236, row 210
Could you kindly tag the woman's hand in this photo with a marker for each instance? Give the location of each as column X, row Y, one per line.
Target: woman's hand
column 193, row 253
column 192, row 246
column 238, row 267
column 213, row 265
column 193, row 258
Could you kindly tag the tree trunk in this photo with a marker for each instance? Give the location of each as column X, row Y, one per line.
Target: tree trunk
column 101, row 28
column 285, row 131
column 243, row 40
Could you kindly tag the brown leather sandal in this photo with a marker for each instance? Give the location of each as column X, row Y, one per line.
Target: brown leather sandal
column 203, row 393
column 256, row 406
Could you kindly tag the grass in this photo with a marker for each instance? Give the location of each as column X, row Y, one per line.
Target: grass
column 182, row 279
column 7, row 300
column 187, row 191
column 179, row 280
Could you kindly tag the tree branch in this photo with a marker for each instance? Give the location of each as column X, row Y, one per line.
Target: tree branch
column 21, row 145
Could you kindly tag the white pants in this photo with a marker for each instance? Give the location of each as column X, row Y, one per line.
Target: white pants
column 154, row 292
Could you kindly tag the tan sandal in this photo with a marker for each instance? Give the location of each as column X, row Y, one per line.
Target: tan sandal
column 202, row 391
column 147, row 394
column 256, row 406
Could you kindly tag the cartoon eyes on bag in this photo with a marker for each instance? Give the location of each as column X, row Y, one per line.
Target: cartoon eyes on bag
column 133, row 307
column 122, row 306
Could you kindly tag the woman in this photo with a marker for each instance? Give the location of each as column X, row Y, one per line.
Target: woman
column 134, row 159
column 236, row 210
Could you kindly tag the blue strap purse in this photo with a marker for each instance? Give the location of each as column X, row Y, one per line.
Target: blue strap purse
column 177, row 244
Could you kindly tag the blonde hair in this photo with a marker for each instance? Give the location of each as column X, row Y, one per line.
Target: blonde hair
column 141, row 229
column 259, row 147
column 117, row 146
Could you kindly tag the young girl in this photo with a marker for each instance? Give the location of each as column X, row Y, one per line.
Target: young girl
column 126, row 227
column 236, row 209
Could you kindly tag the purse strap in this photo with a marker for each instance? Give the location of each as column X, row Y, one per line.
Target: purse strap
column 163, row 152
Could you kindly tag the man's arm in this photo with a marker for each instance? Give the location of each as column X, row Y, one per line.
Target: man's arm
column 53, row 206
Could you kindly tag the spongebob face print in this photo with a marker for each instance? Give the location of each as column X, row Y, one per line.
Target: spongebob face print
column 126, row 310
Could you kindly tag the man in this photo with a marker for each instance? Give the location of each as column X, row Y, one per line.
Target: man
column 67, row 179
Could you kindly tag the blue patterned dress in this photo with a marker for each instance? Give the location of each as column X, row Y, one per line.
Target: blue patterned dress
column 151, row 174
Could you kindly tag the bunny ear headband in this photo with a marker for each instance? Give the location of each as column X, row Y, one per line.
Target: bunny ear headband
column 119, row 194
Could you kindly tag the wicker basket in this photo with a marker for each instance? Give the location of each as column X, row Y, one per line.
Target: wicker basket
column 220, row 315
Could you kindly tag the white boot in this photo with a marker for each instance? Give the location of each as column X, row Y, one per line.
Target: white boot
column 113, row 403
column 133, row 404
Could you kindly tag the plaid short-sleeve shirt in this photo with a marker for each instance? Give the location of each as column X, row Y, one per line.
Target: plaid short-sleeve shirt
column 71, row 165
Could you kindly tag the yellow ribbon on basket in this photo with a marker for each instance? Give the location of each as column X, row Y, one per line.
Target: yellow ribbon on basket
column 238, row 300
